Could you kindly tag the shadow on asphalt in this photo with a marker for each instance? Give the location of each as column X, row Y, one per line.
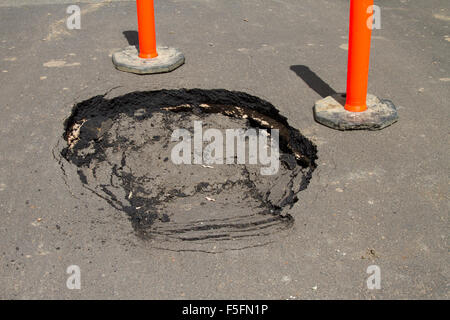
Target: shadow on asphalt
column 313, row 80
column 132, row 37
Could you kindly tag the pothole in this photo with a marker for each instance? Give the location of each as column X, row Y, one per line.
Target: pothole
column 122, row 150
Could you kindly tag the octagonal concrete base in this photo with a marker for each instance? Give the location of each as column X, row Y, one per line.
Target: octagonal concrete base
column 128, row 60
column 331, row 113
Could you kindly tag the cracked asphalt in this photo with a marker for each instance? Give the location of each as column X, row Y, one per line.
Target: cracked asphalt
column 376, row 198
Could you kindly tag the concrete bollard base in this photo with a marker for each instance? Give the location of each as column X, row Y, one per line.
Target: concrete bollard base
column 128, row 60
column 331, row 113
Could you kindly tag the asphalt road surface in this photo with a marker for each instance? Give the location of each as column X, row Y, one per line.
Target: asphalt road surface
column 376, row 198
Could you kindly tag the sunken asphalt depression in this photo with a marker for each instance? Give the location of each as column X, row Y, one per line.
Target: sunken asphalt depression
column 211, row 178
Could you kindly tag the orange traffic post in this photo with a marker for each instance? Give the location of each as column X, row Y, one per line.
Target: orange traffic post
column 358, row 55
column 356, row 109
column 148, row 58
column 146, row 29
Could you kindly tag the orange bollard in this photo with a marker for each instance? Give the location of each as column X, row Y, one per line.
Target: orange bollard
column 147, row 59
column 358, row 55
column 345, row 111
column 146, row 29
